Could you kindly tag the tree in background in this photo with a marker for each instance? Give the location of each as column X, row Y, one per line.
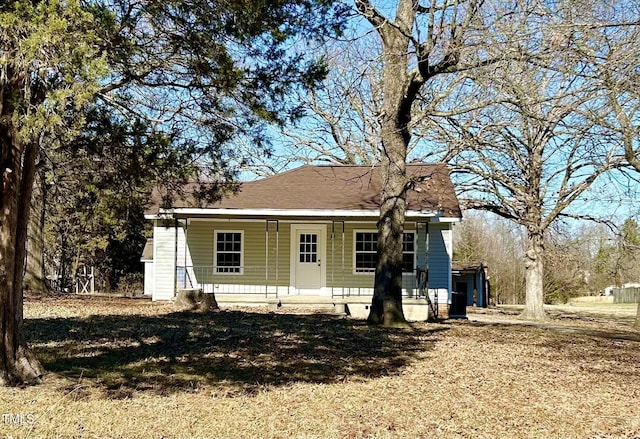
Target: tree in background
column 35, row 275
column 497, row 244
column 97, row 187
column 629, row 251
column 204, row 71
column 534, row 151
column 580, row 258
column 567, row 262
column 340, row 123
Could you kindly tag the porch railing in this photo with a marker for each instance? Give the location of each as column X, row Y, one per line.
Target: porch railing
column 415, row 285
column 262, row 280
column 229, row 280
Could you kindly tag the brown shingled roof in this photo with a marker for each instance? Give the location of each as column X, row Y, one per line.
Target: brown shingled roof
column 340, row 187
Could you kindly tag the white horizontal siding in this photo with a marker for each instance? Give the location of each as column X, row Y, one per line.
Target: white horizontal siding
column 149, row 272
column 164, row 247
column 195, row 248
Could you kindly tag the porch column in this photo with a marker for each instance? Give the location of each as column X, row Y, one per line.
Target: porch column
column 272, row 224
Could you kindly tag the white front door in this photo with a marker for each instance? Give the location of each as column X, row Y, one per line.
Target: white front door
column 308, row 253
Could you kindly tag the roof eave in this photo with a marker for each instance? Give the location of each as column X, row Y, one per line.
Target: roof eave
column 435, row 215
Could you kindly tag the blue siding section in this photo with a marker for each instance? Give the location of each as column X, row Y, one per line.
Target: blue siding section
column 439, row 253
column 421, row 246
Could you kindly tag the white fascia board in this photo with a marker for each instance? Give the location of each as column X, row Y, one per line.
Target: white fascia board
column 158, row 216
column 171, row 213
column 445, row 219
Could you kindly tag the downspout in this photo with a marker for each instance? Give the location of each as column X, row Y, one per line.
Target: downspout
column 435, row 293
column 277, row 255
column 266, row 259
column 175, row 257
column 486, row 287
column 475, row 294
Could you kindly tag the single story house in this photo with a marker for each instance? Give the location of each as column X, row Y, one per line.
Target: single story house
column 310, row 231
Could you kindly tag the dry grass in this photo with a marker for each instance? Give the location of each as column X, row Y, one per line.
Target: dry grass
column 133, row 369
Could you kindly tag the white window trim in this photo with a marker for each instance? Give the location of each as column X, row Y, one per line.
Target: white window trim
column 215, row 253
column 415, row 251
column 353, row 253
column 369, row 273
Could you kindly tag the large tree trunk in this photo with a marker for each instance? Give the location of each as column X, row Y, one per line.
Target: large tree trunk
column 386, row 306
column 17, row 363
column 399, row 94
column 35, row 277
column 534, row 273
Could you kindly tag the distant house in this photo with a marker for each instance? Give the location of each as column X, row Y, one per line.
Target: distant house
column 310, row 232
column 608, row 291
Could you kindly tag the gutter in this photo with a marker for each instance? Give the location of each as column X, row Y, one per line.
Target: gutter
column 434, row 215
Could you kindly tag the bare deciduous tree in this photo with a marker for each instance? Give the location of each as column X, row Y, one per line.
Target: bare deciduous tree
column 495, row 242
column 605, row 39
column 340, row 121
column 371, row 110
column 417, row 43
column 532, row 154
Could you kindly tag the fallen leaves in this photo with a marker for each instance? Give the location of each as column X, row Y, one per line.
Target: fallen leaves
column 137, row 369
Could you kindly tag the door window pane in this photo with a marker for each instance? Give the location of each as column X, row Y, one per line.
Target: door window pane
column 308, row 247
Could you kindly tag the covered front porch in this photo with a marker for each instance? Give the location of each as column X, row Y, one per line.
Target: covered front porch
column 419, row 302
column 287, row 261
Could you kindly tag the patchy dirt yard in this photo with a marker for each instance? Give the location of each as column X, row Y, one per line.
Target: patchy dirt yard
column 135, row 369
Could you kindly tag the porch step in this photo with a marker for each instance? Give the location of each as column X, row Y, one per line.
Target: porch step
column 318, row 303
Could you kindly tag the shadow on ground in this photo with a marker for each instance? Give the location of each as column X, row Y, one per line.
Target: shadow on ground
column 242, row 351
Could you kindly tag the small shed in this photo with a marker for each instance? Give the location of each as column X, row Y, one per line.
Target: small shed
column 472, row 280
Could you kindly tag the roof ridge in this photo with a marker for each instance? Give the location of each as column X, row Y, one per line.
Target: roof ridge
column 353, row 165
column 334, row 166
column 276, row 175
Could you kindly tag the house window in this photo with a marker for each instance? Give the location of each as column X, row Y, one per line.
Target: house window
column 366, row 252
column 228, row 252
column 366, row 248
column 408, row 252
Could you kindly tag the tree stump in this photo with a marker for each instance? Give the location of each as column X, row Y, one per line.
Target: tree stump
column 196, row 300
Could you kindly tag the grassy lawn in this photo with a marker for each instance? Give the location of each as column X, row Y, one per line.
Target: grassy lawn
column 136, row 369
